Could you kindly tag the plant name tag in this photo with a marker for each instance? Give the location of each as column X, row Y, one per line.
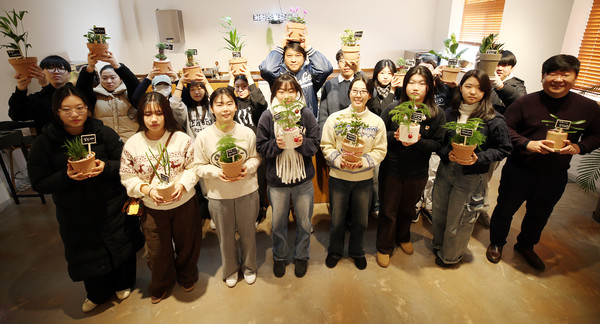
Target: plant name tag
column 236, row 54
column 14, row 53
column 491, row 52
column 277, row 117
column 417, row 117
column 410, row 63
column 358, row 34
column 169, row 46
column 467, row 132
column 351, row 137
column 453, row 61
column 563, row 124
column 88, row 139
column 164, row 178
column 232, row 152
column 99, row 30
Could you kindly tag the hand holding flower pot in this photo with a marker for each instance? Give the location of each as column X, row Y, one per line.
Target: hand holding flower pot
column 560, row 131
column 287, row 115
column 351, row 128
column 191, row 68
column 162, row 62
column 230, row 158
column 466, row 138
column 96, row 44
column 296, row 28
column 81, row 160
column 450, row 72
column 17, row 50
column 165, row 187
column 408, row 115
column 350, row 46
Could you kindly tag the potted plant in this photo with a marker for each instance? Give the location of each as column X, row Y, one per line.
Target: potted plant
column 96, row 42
column 17, row 49
column 165, row 187
column 287, row 117
column 489, row 54
column 235, row 45
column 560, row 130
column 401, row 71
column 79, row 157
column 296, row 28
column 161, row 61
column 191, row 67
column 350, row 46
column 450, row 72
column 230, row 157
column 351, row 128
column 466, row 138
column 408, row 115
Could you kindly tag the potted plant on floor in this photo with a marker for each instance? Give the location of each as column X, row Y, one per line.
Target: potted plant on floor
column 96, row 38
column 230, row 157
column 79, row 157
column 287, row 117
column 489, row 54
column 17, row 49
column 166, row 186
column 161, row 62
column 235, row 45
column 191, row 67
column 450, row 72
column 466, row 137
column 296, row 28
column 351, row 128
column 350, row 46
column 560, row 130
column 408, row 116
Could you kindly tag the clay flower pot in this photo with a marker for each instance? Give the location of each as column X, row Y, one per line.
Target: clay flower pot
column 400, row 76
column 356, row 151
column 296, row 29
column 463, row 152
column 450, row 74
column 21, row 65
column 162, row 65
column 97, row 49
column 558, row 138
column 232, row 170
column 84, row 165
column 237, row 64
column 487, row 62
column 409, row 134
column 351, row 53
column 165, row 190
column 190, row 72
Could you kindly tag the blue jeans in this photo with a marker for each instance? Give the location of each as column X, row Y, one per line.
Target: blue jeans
column 457, row 199
column 339, row 200
column 303, row 201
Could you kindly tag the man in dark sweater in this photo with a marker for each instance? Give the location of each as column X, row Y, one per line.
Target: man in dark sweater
column 534, row 172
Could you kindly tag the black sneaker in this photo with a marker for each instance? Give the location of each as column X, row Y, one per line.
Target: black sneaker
column 442, row 264
column 531, row 257
column 300, row 267
column 331, row 261
column 416, row 217
column 279, row 268
column 360, row 262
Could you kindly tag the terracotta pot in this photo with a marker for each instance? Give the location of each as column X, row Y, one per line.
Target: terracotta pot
column 351, row 53
column 409, row 134
column 463, row 152
column 237, row 64
column 400, row 77
column 296, row 29
column 162, row 65
column 487, row 62
column 558, row 138
column 190, row 72
column 97, row 49
column 289, row 137
column 232, row 170
column 165, row 190
column 349, row 147
column 21, row 65
column 450, row 74
column 84, row 165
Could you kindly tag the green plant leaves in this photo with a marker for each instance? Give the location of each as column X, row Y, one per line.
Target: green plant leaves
column 589, row 171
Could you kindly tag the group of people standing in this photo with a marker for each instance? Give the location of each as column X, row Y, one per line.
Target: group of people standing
column 388, row 178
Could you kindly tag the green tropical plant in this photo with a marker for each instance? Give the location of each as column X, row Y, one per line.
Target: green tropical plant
column 224, row 144
column 295, row 16
column 489, row 43
column 401, row 114
column 348, row 38
column 288, row 114
column 451, row 45
column 94, row 38
column 75, row 149
column 190, row 58
column 162, row 159
column 161, row 51
column 9, row 25
column 350, row 123
column 588, row 171
column 401, row 65
column 234, row 41
column 552, row 123
column 472, row 123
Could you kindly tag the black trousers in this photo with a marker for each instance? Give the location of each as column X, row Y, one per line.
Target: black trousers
column 101, row 288
column 540, row 191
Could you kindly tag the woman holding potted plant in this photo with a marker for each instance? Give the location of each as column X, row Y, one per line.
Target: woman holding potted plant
column 403, row 172
column 100, row 241
column 348, row 179
column 233, row 202
column 289, row 169
column 460, row 183
column 110, row 98
column 166, row 219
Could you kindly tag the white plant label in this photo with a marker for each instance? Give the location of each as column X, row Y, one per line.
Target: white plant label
column 236, row 54
column 410, row 63
column 491, row 52
column 164, row 178
column 358, row 34
column 88, row 139
column 277, row 117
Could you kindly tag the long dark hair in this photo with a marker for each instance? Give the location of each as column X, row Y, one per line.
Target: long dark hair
column 63, row 92
column 385, row 63
column 281, row 81
column 485, row 110
column 429, row 99
column 192, row 104
column 158, row 100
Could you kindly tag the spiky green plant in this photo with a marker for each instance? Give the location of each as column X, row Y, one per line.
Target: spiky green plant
column 348, row 38
column 489, row 43
column 234, row 39
column 451, row 45
column 161, row 51
column 350, row 123
column 225, row 143
column 401, row 114
column 94, row 38
column 289, row 113
column 190, row 58
column 75, row 149
column 9, row 25
column 472, row 123
column 552, row 123
column 401, row 65
column 588, row 171
column 162, row 159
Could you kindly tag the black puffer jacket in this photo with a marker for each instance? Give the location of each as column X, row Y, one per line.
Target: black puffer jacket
column 96, row 235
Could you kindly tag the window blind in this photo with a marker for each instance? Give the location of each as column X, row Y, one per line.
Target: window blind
column 480, row 18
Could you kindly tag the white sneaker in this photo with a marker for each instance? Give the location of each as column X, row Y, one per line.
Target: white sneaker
column 212, row 225
column 88, row 305
column 231, row 281
column 123, row 294
column 249, row 276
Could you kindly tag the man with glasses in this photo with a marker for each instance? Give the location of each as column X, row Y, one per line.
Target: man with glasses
column 53, row 73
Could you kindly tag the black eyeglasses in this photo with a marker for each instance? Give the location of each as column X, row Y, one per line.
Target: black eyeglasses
column 60, row 70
